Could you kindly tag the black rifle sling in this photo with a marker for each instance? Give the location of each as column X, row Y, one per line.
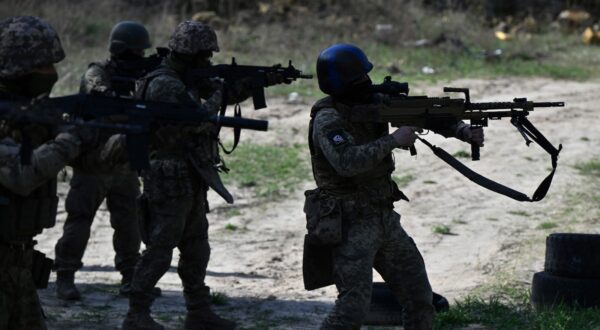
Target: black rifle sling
column 237, row 113
column 494, row 186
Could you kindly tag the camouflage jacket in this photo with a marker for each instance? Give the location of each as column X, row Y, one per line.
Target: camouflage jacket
column 98, row 78
column 347, row 157
column 166, row 85
column 181, row 152
column 115, row 76
column 46, row 161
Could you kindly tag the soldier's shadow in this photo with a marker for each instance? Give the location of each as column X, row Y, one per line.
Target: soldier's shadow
column 101, row 307
column 100, row 268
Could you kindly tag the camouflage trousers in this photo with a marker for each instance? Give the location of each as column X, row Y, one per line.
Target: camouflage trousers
column 19, row 303
column 174, row 215
column 375, row 239
column 85, row 196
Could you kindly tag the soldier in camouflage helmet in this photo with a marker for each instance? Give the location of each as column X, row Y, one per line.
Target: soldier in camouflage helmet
column 193, row 37
column 350, row 215
column 184, row 163
column 29, row 47
column 93, row 181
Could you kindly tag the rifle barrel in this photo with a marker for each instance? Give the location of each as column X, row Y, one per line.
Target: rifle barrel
column 548, row 104
column 253, row 124
column 513, row 105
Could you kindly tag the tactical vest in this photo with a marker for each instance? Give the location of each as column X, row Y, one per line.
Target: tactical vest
column 377, row 178
column 174, row 140
column 123, row 74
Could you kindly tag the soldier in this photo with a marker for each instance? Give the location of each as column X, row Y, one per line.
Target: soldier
column 29, row 47
column 174, row 201
column 92, row 183
column 351, row 211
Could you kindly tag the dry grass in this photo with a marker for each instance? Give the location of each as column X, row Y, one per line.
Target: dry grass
column 302, row 30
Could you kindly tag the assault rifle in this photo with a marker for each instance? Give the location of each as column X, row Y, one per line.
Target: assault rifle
column 437, row 113
column 257, row 76
column 137, row 119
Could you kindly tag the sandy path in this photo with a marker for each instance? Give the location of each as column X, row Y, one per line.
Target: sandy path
column 258, row 266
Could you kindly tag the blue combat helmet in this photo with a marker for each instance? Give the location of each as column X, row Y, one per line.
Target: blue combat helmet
column 340, row 67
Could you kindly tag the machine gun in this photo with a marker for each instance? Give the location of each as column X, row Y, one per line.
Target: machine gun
column 438, row 113
column 137, row 119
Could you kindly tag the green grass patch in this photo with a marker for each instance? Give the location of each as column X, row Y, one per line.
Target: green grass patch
column 219, row 298
column 584, row 138
column 547, row 225
column 492, row 219
column 462, row 154
column 231, row 227
column 511, row 309
column 429, row 182
column 441, row 229
column 271, row 171
column 591, row 168
column 519, row 213
column 403, row 181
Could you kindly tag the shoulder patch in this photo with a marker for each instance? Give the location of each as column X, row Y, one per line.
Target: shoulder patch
column 337, row 137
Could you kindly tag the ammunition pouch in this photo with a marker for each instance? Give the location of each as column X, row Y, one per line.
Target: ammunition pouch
column 143, row 212
column 40, row 269
column 323, row 218
column 317, row 265
column 27, row 215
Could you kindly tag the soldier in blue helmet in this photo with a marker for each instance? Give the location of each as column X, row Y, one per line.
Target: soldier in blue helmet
column 351, row 212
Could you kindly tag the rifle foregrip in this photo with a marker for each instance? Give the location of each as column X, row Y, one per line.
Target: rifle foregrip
column 413, row 150
column 474, row 151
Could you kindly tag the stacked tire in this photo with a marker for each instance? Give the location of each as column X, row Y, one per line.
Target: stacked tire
column 385, row 309
column 571, row 273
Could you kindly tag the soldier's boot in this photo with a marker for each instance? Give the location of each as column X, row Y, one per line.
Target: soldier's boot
column 205, row 319
column 138, row 318
column 65, row 285
column 125, row 289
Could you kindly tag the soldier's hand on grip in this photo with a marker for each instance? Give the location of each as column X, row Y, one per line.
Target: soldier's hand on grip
column 405, row 136
column 470, row 134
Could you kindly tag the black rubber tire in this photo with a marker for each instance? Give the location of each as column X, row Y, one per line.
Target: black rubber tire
column 385, row 309
column 573, row 255
column 549, row 290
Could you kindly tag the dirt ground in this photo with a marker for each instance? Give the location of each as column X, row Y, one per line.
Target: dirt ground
column 258, row 266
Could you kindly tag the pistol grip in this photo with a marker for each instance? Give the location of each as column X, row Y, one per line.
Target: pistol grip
column 474, row 151
column 413, row 150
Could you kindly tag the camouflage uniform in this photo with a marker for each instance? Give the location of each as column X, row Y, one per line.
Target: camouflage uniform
column 90, row 186
column 352, row 165
column 28, row 198
column 175, row 198
column 174, row 205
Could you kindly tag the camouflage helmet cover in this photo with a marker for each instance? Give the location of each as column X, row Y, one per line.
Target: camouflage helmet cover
column 27, row 42
column 192, row 37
